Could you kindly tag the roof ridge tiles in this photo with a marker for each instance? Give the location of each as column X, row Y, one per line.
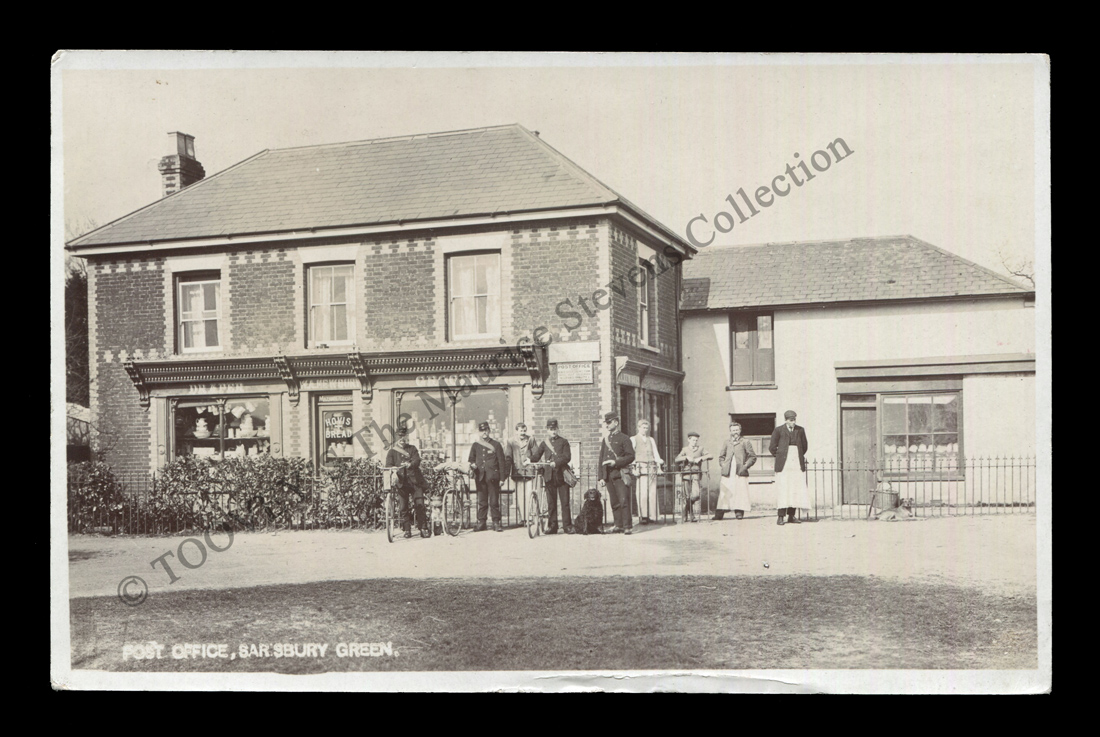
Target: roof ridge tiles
column 862, row 240
column 408, row 137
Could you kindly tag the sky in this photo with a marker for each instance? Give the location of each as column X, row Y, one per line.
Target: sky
column 944, row 148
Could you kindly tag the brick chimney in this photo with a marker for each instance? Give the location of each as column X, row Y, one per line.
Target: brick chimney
column 180, row 169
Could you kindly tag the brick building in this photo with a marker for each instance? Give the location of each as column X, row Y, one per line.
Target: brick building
column 304, row 300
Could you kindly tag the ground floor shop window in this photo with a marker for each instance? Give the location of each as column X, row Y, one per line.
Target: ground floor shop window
column 443, row 429
column 333, row 429
column 914, row 435
column 757, row 429
column 920, row 433
column 220, row 427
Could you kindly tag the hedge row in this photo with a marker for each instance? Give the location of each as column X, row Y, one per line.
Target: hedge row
column 233, row 494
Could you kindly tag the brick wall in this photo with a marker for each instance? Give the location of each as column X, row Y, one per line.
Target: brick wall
column 551, row 264
column 261, row 289
column 399, row 294
column 624, row 309
column 626, row 338
column 577, row 410
column 130, row 302
column 127, row 297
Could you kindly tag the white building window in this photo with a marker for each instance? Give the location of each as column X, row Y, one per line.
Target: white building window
column 473, row 287
column 331, row 297
column 199, row 310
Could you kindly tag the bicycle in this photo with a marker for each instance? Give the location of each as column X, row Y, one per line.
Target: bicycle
column 390, row 489
column 390, row 503
column 455, row 505
column 538, row 513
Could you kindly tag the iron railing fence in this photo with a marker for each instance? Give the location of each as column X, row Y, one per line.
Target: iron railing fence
column 139, row 504
column 923, row 487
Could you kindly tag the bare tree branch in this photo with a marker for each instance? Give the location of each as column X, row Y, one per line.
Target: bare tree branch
column 1021, row 268
column 76, row 227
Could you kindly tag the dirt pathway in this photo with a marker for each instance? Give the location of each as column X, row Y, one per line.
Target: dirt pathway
column 996, row 554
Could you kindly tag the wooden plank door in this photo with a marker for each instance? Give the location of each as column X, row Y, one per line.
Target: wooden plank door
column 859, row 452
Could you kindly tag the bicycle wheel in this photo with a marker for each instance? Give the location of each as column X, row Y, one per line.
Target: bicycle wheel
column 534, row 519
column 452, row 513
column 543, row 516
column 389, row 516
column 467, row 505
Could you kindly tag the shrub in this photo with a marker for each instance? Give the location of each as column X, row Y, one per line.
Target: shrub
column 95, row 497
column 351, row 494
column 248, row 493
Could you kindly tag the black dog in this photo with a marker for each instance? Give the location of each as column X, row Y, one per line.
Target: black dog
column 590, row 519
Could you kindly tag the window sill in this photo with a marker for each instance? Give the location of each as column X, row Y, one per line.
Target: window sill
column 747, row 387
column 199, row 352
column 476, row 341
column 650, row 348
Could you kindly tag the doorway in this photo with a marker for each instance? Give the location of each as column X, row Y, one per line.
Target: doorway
column 858, row 448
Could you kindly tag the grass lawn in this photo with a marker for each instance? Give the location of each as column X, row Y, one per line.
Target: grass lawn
column 613, row 623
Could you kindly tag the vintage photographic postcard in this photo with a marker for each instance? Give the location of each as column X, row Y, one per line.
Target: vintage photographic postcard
column 551, row 372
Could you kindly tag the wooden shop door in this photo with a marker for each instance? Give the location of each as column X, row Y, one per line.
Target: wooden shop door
column 859, row 452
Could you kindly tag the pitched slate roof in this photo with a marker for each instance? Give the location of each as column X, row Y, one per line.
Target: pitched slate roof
column 861, row 269
column 455, row 174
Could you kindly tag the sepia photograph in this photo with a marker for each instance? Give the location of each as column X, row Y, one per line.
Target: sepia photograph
column 550, row 372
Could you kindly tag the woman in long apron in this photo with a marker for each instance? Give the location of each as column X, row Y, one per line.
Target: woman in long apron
column 736, row 459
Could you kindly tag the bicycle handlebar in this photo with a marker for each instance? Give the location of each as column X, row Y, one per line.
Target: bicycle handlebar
column 451, row 469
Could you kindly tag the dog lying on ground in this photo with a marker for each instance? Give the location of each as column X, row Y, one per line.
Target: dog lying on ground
column 903, row 511
column 590, row 519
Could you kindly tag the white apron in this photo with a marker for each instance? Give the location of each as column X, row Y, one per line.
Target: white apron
column 790, row 484
column 733, row 493
column 648, row 504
